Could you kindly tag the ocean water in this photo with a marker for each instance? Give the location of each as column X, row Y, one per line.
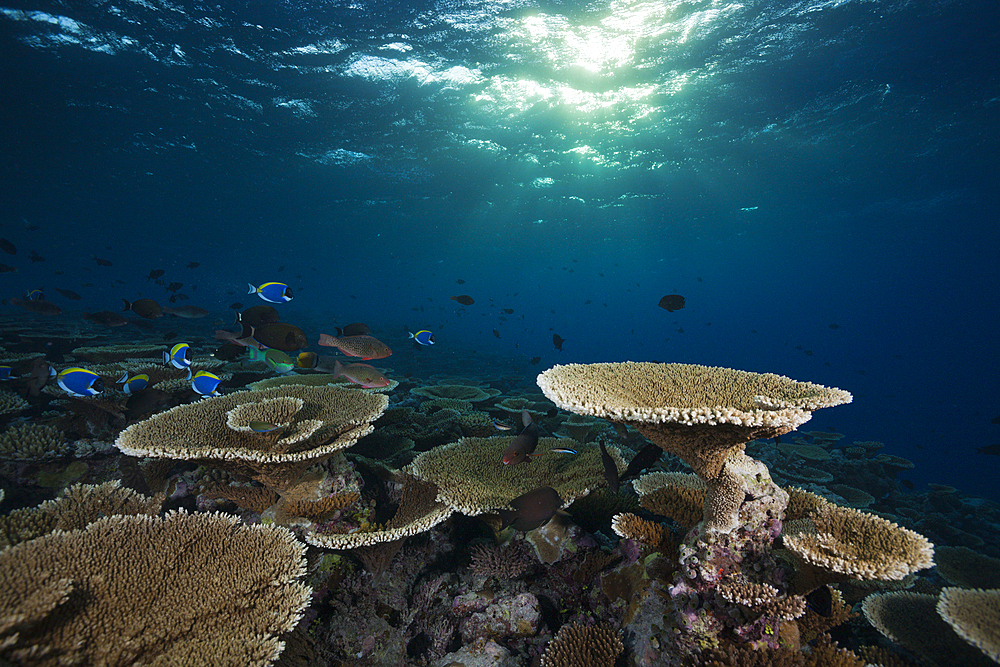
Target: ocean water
column 818, row 178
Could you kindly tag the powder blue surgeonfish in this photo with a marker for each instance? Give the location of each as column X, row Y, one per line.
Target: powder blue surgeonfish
column 423, row 337
column 134, row 384
column 206, row 384
column 179, row 357
column 273, row 292
column 80, row 382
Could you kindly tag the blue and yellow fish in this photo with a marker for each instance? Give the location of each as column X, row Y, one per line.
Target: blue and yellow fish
column 134, row 384
column 273, row 292
column 34, row 295
column 5, row 373
column 206, row 384
column 179, row 356
column 80, row 382
column 423, row 337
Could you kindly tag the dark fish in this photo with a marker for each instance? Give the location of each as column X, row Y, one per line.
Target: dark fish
column 183, row 297
column 258, row 316
column 522, row 446
column 558, row 340
column 700, row 280
column 102, row 262
column 187, row 312
column 992, row 450
column 534, row 360
column 496, row 333
column 463, row 299
column 995, row 420
column 672, row 302
column 106, row 318
column 236, row 305
column 144, row 308
column 194, row 265
column 459, row 281
column 646, row 457
column 551, row 412
column 173, row 298
column 173, row 287
column 610, row 469
column 38, row 376
column 834, row 326
column 229, row 351
column 531, row 510
column 154, row 274
column 8, row 247
column 7, row 269
column 281, row 336
column 40, row 306
column 821, row 601
column 144, row 403
column 354, row 329
column 509, row 311
column 35, row 257
column 907, row 484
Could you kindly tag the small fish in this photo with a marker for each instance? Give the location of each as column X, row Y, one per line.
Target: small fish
column 80, row 382
column 992, row 450
column 562, row 450
column 463, row 299
column 34, row 295
column 610, row 469
column 459, row 281
column 646, row 457
column 69, row 294
column 907, row 484
column 995, row 420
column 834, row 326
column 273, row 292
column 40, row 306
column 143, row 308
column 236, row 305
column 187, row 312
column 263, row 427
column 194, row 265
column 501, row 425
column 307, row 360
column 179, row 356
column 671, row 302
column 509, row 311
column 366, row 347
column 355, row 329
column 206, row 384
column 367, row 376
column 423, row 337
column 105, row 318
column 276, row 360
column 173, row 287
column 522, row 446
column 531, row 510
column 496, row 333
column 558, row 341
column 102, row 262
column 534, row 361
column 7, row 269
column 5, row 373
column 133, row 384
column 8, row 247
column 154, row 274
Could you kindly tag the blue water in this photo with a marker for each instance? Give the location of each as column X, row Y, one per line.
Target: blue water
column 786, row 166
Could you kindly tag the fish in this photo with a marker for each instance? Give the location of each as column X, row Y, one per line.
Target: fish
column 102, row 262
column 69, row 294
column 187, row 312
column 496, row 333
column 995, row 420
column 237, row 338
column 355, row 329
column 179, row 356
column 276, row 360
column 273, row 292
column 992, row 450
column 671, row 302
column 610, row 469
column 459, row 281
column 194, row 265
column 236, row 305
column 143, row 308
column 133, row 384
column 307, row 360
column 40, row 306
column 229, row 351
column 80, row 382
column 834, row 326
column 531, row 510
column 7, row 269
column 144, row 403
column 534, row 361
column 8, row 247
column 206, row 384
column 105, row 318
column 366, row 347
column 154, row 274
column 558, row 340
column 258, row 316
column 35, row 257
column 5, row 373
column 821, row 601
column 367, row 376
column 509, row 311
column 463, row 299
column 281, row 336
column 39, row 375
column 524, row 444
column 907, row 484
column 562, row 450
column 173, row 287
column 263, row 427
column 424, row 337
column 34, row 295
column 501, row 425
column 646, row 457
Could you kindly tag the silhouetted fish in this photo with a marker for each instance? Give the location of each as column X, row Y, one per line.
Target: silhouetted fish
column 236, row 305
column 281, row 336
column 258, row 316
column 173, row 287
column 69, row 294
column 463, row 299
column 106, row 317
column 907, row 484
column 496, row 333
column 8, row 247
column 194, row 265
column 992, row 450
column 354, row 329
column 834, row 326
column 995, row 420
column 672, row 302
column 143, row 308
column 531, row 510
column 534, row 360
column 646, row 457
column 459, row 281
column 102, row 262
column 558, row 340
column 509, row 311
column 40, row 306
column 821, row 601
column 35, row 257
column 610, row 469
column 7, row 269
column 154, row 274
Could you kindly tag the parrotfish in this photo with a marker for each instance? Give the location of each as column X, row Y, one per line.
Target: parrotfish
column 273, row 292
column 366, row 347
column 80, row 382
column 133, row 384
column 367, row 376
column 206, row 384
column 179, row 356
column 423, row 337
column 275, row 359
column 281, row 336
column 531, row 510
column 522, row 446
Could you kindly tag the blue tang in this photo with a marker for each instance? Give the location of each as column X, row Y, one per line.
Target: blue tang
column 273, row 292
column 80, row 382
column 133, row 384
column 206, row 384
column 179, row 356
column 5, row 373
column 423, row 337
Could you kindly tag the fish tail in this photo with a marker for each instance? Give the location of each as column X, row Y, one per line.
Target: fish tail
column 123, row 379
column 412, row 335
column 189, row 373
column 252, row 289
column 166, row 358
column 128, row 305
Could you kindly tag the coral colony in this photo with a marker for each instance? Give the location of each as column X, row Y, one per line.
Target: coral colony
column 311, row 520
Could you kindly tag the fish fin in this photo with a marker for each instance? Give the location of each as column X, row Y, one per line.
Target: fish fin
column 128, row 305
column 124, row 379
column 166, row 358
column 526, row 418
column 253, row 289
column 189, row 373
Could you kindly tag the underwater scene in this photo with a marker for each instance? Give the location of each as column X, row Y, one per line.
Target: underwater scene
column 499, row 333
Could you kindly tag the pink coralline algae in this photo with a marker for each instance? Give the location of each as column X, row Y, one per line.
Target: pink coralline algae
column 506, row 616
